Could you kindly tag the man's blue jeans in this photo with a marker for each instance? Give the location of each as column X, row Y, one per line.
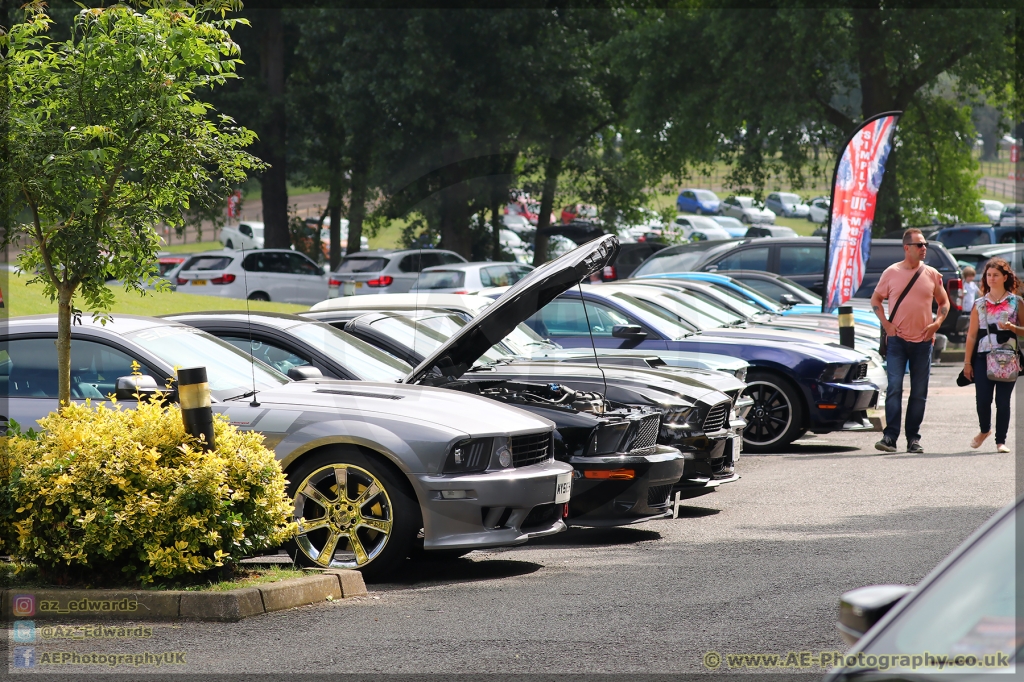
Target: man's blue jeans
column 898, row 354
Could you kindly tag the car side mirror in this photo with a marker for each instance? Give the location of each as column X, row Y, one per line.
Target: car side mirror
column 788, row 299
column 861, row 608
column 305, row 372
column 142, row 385
column 628, row 331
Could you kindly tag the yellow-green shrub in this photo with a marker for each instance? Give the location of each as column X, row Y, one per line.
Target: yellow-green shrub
column 7, row 506
column 108, row 491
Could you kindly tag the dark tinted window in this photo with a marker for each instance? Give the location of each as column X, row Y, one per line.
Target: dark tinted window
column 769, row 289
column 801, row 260
column 676, row 262
column 744, row 259
column 267, row 262
column 447, row 258
column 28, row 368
column 965, row 237
column 298, row 265
column 884, row 255
column 362, row 264
column 207, row 263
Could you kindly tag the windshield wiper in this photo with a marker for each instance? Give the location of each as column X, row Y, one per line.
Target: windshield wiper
column 244, row 395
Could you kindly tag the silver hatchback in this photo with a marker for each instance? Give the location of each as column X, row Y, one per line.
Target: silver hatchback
column 385, row 271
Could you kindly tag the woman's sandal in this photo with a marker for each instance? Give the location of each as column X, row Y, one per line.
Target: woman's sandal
column 979, row 439
column 1001, row 447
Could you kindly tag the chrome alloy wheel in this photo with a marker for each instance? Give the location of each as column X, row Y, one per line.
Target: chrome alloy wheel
column 344, row 516
column 770, row 416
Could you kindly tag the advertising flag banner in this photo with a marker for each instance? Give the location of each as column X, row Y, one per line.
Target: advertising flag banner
column 858, row 176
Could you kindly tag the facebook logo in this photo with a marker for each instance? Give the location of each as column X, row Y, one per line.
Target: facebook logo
column 24, row 657
column 25, row 631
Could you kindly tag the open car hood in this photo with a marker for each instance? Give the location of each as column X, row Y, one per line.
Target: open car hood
column 522, row 300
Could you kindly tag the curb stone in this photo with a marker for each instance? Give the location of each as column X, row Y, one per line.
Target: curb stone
column 153, row 605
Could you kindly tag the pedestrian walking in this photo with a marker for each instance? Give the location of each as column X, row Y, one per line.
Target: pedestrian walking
column 990, row 358
column 910, row 286
column 970, row 288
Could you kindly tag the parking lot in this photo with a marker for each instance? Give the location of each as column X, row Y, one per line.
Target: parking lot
column 755, row 568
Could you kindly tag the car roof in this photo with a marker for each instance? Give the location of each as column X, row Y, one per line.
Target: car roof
column 126, row 324
column 467, row 266
column 986, row 248
column 409, row 301
column 279, row 320
column 378, row 253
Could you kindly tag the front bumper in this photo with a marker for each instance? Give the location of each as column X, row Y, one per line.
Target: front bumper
column 616, row 502
column 832, row 405
column 499, row 508
column 704, row 474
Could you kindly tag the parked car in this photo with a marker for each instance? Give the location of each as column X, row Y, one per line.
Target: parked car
column 246, row 235
column 1012, row 216
column 770, row 231
column 465, row 278
column 628, row 259
column 746, row 210
column 385, row 271
column 992, row 209
column 976, row 234
column 523, row 341
column 259, row 275
column 802, row 259
column 698, row 201
column 965, row 609
column 787, row 204
column 699, row 229
column 583, row 212
column 390, row 454
column 976, row 256
column 734, row 226
column 818, row 209
column 796, row 387
column 169, row 261
column 325, row 234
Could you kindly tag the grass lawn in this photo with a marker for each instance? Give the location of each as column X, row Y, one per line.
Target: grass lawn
column 28, row 299
column 195, row 247
column 245, row 576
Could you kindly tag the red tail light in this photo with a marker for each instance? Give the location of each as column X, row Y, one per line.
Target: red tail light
column 461, row 291
column 334, row 282
column 223, row 279
column 182, row 281
column 955, row 289
column 609, row 273
column 382, row 281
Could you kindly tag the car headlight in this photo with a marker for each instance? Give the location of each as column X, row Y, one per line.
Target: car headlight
column 676, row 414
column 470, row 456
column 741, row 374
column 835, row 372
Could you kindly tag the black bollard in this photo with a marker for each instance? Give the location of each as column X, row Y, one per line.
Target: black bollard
column 194, row 397
column 846, row 325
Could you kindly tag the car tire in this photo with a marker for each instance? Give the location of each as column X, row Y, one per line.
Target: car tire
column 374, row 538
column 777, row 416
column 259, row 296
column 229, row 245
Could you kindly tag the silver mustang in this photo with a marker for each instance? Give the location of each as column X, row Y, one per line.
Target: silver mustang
column 369, row 464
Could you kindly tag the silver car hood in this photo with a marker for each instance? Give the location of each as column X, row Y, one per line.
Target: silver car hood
column 522, row 300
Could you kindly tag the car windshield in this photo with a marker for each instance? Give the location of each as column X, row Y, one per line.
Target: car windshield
column 665, row 322
column 357, row 356
column 714, row 305
column 789, row 198
column 441, row 279
column 362, row 264
column 969, row 609
column 688, row 309
column 230, row 371
column 426, row 334
column 676, row 262
column 207, row 263
column 743, row 302
column 525, row 342
column 729, row 221
column 705, row 195
column 745, row 202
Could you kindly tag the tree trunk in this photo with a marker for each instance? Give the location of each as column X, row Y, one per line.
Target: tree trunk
column 540, row 244
column 334, row 210
column 357, row 205
column 887, row 210
column 64, row 294
column 274, row 134
column 495, row 228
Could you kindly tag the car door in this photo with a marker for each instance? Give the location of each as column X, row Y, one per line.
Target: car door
column 247, row 236
column 28, row 369
column 687, row 201
column 308, row 281
column 268, row 273
column 804, row 264
column 774, row 204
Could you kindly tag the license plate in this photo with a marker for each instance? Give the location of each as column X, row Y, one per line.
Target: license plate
column 563, row 488
column 359, row 285
column 348, row 288
column 198, row 282
column 737, row 447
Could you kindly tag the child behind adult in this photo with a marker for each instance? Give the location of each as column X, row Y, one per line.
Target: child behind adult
column 996, row 320
column 970, row 288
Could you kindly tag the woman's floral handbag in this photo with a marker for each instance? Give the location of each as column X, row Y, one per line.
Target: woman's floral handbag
column 1003, row 364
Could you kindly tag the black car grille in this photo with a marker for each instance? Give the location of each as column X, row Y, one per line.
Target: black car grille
column 531, row 449
column 860, row 372
column 658, row 496
column 716, row 418
column 646, row 435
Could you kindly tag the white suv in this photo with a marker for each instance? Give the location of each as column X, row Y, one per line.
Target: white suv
column 247, row 235
column 261, row 275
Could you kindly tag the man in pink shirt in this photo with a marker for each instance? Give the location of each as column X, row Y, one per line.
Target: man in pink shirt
column 910, row 336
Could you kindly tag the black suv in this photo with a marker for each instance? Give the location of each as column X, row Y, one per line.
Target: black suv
column 802, row 259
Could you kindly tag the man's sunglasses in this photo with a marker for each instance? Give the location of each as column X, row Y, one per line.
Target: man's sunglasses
column 920, row 245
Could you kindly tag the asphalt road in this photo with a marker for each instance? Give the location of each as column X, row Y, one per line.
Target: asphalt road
column 754, row 568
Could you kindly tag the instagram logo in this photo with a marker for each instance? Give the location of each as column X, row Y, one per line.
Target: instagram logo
column 24, row 605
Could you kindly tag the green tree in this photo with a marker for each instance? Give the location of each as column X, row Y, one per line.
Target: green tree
column 107, row 137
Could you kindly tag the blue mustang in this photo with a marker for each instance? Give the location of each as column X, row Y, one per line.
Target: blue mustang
column 796, row 387
column 860, row 316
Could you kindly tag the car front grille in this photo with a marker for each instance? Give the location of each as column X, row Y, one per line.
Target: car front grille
column 531, row 449
column 860, row 372
column 646, row 435
column 542, row 515
column 658, row 496
column 716, row 418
